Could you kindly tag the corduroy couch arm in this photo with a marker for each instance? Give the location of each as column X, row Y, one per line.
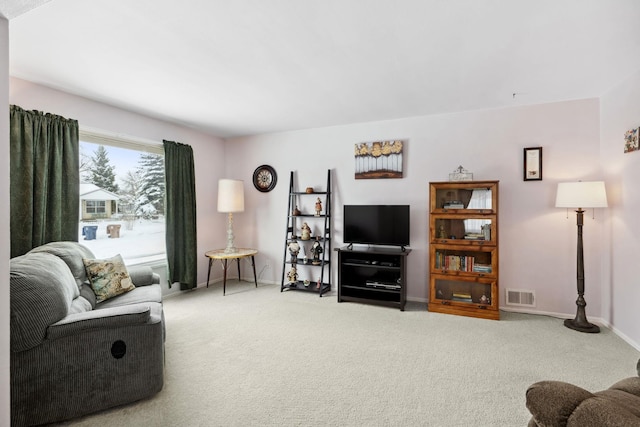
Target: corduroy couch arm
column 142, row 275
column 551, row 403
column 111, row 317
column 556, row 403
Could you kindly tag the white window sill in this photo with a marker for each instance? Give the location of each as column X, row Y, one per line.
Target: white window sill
column 151, row 261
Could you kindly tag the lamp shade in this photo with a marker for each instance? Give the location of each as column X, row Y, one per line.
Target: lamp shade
column 580, row 194
column 230, row 195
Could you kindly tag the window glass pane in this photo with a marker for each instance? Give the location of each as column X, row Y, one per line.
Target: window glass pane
column 122, row 201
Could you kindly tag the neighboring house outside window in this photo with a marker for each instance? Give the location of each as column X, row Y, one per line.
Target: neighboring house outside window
column 97, row 203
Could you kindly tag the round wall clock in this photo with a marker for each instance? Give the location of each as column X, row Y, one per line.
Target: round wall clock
column 265, row 178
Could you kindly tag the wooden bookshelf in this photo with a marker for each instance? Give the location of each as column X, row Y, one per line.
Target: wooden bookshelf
column 463, row 248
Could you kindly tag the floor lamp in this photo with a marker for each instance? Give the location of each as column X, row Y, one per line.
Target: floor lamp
column 230, row 200
column 581, row 195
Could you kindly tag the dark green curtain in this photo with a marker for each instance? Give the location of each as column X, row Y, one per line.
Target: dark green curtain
column 180, row 214
column 44, row 179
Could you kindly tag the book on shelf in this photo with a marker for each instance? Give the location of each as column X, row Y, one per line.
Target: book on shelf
column 474, row 236
column 482, row 268
column 461, row 296
column 454, row 262
column 455, row 204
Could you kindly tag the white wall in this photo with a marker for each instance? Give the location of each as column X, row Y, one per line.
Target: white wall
column 537, row 241
column 4, row 222
column 208, row 151
column 620, row 111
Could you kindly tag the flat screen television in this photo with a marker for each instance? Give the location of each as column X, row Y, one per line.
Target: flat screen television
column 385, row 225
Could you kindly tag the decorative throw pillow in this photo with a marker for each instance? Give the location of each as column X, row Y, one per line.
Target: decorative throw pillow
column 108, row 277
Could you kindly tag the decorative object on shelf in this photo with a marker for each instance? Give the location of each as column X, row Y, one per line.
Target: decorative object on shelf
column 309, row 190
column 533, row 164
column 230, row 200
column 484, row 299
column 486, row 231
column 305, row 232
column 318, row 283
column 631, row 140
column 380, row 159
column 460, row 174
column 265, row 178
column 581, row 195
column 316, row 250
column 294, row 248
column 293, row 275
column 296, row 211
column 306, row 283
column 318, row 206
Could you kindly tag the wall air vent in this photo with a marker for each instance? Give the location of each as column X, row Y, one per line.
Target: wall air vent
column 521, row 297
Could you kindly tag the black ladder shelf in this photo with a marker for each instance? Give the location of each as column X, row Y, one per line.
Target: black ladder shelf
column 313, row 273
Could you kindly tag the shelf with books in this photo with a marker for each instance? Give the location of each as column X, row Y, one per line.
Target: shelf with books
column 463, row 259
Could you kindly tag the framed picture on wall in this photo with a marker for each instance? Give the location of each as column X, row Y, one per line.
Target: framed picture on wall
column 533, row 164
column 631, row 140
column 379, row 159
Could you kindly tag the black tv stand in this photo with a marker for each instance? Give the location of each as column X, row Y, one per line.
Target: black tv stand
column 373, row 275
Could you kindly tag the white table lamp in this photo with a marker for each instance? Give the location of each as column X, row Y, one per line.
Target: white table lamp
column 230, row 200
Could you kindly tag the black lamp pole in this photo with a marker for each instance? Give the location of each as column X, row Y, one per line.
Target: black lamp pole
column 580, row 323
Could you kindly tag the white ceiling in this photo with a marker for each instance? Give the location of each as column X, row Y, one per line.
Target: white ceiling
column 239, row 67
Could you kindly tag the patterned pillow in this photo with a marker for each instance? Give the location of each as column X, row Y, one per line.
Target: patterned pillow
column 108, row 277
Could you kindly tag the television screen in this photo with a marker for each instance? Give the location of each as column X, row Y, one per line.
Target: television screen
column 377, row 224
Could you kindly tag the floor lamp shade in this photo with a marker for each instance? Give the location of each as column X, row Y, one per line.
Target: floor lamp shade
column 230, row 199
column 581, row 195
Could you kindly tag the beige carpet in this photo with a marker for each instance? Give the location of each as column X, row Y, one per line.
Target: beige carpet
column 258, row 357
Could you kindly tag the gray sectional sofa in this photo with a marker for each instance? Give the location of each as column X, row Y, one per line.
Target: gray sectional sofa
column 72, row 355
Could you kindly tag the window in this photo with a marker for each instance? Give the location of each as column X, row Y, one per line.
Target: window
column 122, row 197
column 96, row 207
